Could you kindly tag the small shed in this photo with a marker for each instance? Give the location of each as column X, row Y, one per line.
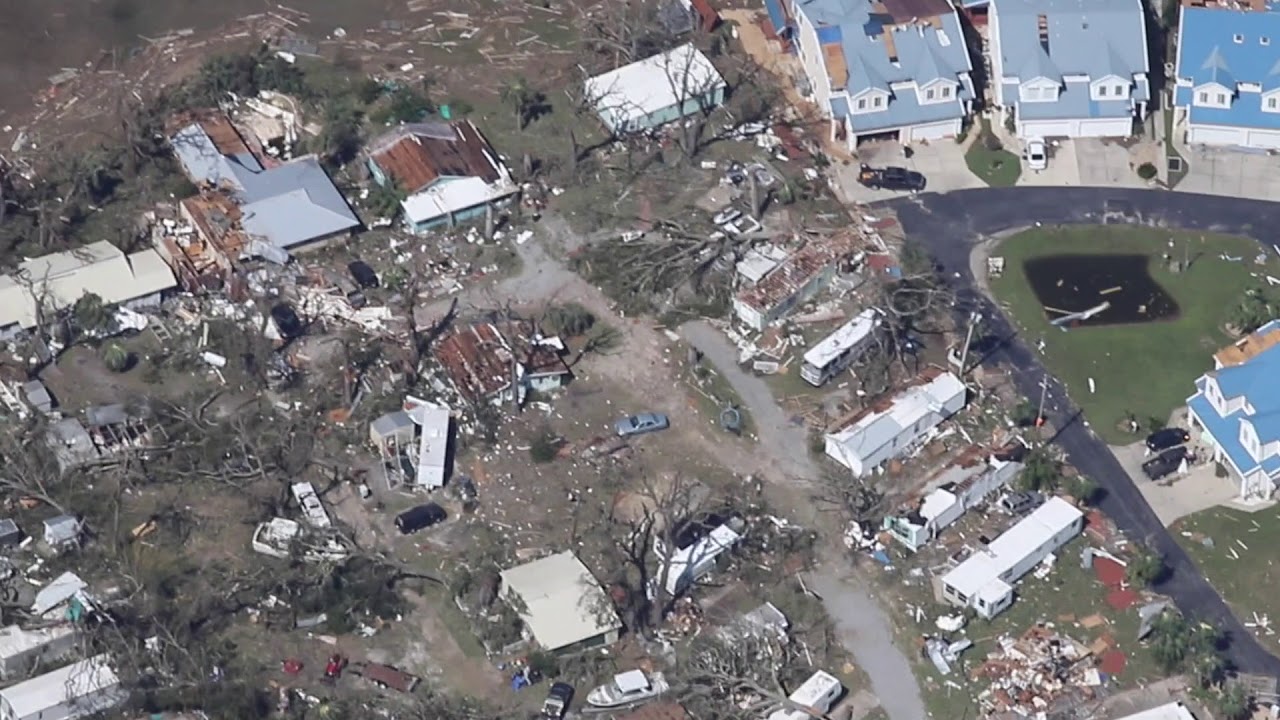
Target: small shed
column 392, row 430
column 10, row 533
column 62, row 530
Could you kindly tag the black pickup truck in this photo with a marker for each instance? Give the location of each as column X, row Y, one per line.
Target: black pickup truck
column 891, row 178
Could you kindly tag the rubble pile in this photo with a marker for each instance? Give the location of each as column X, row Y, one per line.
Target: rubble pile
column 1036, row 673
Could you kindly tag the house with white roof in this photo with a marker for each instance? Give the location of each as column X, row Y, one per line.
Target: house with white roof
column 77, row 690
column 1069, row 68
column 884, row 68
column 46, row 285
column 984, row 580
column 562, row 604
column 891, row 426
column 1236, row 411
column 448, row 172
column 655, row 91
column 1227, row 87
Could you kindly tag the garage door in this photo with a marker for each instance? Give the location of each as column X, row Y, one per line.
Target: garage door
column 1045, row 128
column 1202, row 135
column 933, row 131
column 1105, row 127
column 1269, row 139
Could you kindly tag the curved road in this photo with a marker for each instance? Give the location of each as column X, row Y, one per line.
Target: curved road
column 949, row 226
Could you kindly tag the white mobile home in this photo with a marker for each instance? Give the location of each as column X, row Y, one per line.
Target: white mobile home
column 816, row 695
column 841, row 348
column 312, row 509
column 75, row 691
column 886, row 429
column 687, row 564
column 21, row 651
column 953, row 490
column 433, row 446
column 984, row 580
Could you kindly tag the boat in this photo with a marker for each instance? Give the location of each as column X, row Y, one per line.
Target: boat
column 626, row 688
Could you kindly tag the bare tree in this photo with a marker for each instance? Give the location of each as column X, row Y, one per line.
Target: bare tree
column 744, row 676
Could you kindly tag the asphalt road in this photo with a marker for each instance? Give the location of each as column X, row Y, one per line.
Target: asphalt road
column 950, row 225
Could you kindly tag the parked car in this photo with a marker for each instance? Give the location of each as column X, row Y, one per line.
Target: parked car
column 558, row 698
column 1017, row 503
column 386, row 676
column 287, row 321
column 418, row 518
column 641, row 423
column 891, row 178
column 1037, row 154
column 1161, row 440
column 364, row 275
column 1166, row 462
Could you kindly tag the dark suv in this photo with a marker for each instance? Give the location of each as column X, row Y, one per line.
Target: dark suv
column 891, row 178
column 1167, row 438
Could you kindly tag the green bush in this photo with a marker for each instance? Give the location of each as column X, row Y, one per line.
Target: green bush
column 545, row 446
column 1146, row 171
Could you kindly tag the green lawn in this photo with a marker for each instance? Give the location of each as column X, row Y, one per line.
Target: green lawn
column 997, row 168
column 1144, row 369
column 1236, row 554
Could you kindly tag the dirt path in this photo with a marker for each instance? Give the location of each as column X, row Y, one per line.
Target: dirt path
column 781, row 457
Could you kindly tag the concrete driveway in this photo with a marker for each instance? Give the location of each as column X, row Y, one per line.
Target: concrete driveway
column 1221, row 171
column 1105, row 164
column 942, row 164
column 1063, row 169
column 1176, row 496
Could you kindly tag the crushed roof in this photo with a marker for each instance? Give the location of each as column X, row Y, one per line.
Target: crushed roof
column 286, row 204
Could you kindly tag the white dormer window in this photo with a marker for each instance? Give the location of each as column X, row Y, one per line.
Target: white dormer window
column 930, row 94
column 862, row 103
column 1222, row 98
column 1102, row 91
column 1202, row 98
column 1119, row 91
column 946, row 91
column 877, row 101
column 1271, row 104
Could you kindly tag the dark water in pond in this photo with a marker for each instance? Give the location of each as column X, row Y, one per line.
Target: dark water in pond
column 1074, row 283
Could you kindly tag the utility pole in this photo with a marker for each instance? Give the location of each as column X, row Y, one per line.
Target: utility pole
column 974, row 317
column 1044, row 391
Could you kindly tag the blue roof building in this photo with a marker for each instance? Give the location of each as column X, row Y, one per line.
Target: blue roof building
column 283, row 207
column 1069, row 68
column 1236, row 408
column 895, row 68
column 1228, row 74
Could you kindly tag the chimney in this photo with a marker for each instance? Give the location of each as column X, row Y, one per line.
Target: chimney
column 1042, row 24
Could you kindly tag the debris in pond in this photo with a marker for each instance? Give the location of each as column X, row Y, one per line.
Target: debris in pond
column 1108, row 291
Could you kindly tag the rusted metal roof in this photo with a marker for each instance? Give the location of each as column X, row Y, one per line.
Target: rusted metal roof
column 416, row 155
column 903, row 11
column 477, row 360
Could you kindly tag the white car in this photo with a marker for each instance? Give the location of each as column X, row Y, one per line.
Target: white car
column 1037, row 154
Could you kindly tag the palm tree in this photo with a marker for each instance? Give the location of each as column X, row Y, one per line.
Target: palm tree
column 522, row 98
column 116, row 358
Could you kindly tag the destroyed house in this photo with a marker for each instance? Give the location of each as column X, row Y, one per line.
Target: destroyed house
column 984, row 580
column 483, row 364
column 448, row 171
column 891, row 426
column 285, row 206
column 203, row 248
column 45, row 286
column 23, row 650
column 791, row 283
column 967, row 481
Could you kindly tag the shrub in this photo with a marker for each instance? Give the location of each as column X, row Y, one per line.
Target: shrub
column 991, row 142
column 1146, row 171
column 116, row 358
column 545, row 446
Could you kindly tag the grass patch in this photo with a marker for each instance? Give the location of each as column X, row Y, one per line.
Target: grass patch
column 714, row 393
column 455, row 621
column 1148, row 369
column 1243, row 574
column 996, row 166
